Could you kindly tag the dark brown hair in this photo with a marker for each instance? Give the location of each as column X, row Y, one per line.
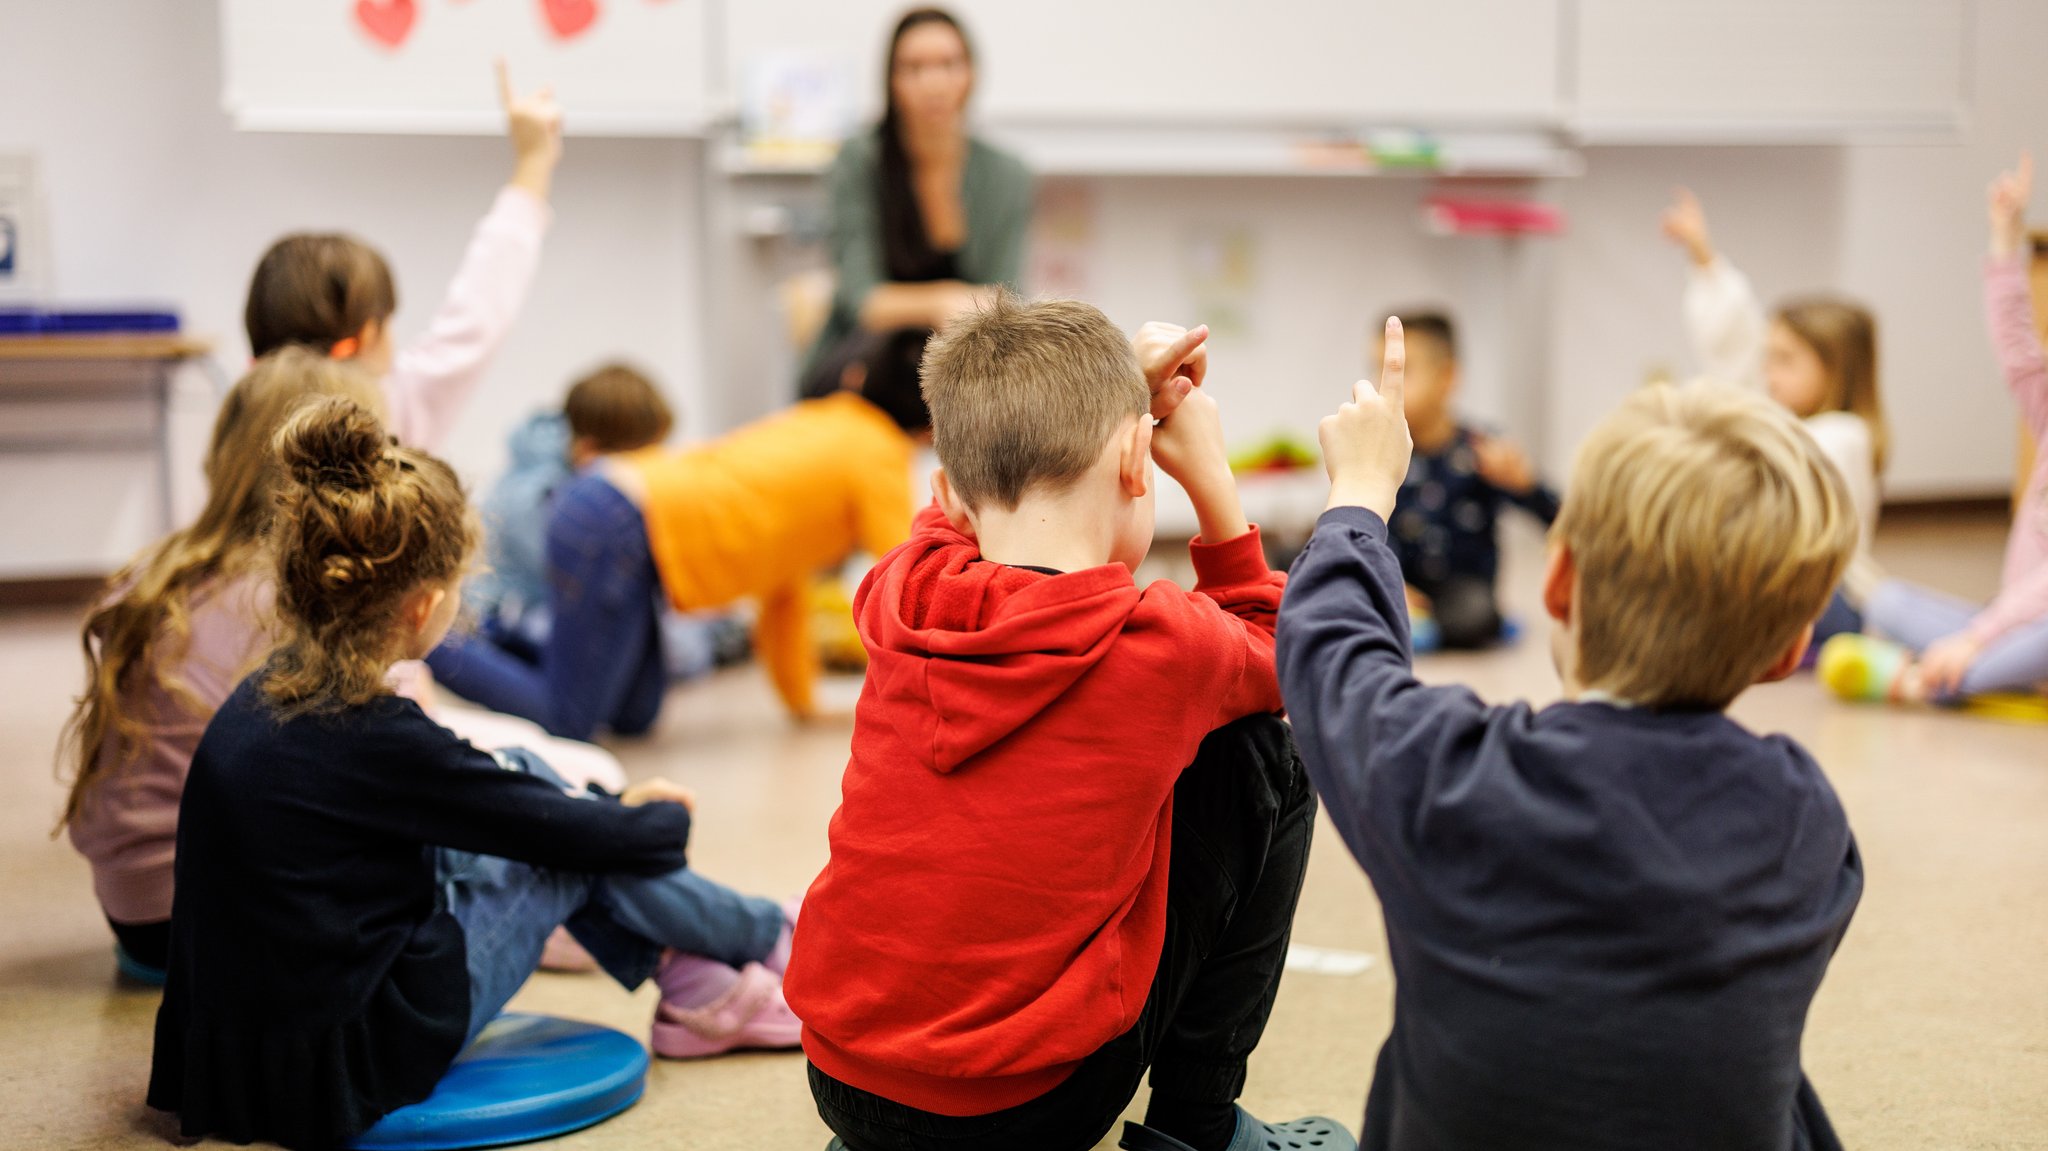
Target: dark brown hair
column 361, row 523
column 316, row 289
column 1430, row 324
column 907, row 252
column 137, row 635
column 617, row 409
column 1025, row 395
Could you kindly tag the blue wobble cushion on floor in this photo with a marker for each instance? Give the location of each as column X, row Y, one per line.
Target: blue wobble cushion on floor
column 526, row 1077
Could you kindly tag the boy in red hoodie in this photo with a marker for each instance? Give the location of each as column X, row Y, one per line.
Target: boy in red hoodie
column 1073, row 829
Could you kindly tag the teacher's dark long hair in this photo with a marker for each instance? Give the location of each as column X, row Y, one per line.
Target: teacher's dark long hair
column 907, row 248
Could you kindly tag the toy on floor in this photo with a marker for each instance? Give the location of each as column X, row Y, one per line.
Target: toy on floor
column 526, row 1078
column 1864, row 669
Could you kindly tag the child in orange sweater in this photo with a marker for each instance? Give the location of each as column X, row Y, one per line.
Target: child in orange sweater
column 754, row 514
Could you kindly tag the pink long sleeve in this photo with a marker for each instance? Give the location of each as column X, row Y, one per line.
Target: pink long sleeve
column 2023, row 593
column 433, row 377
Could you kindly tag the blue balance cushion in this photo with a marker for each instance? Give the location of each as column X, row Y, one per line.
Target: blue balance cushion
column 526, row 1077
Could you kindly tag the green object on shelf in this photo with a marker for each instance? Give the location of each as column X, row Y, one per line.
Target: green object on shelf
column 1279, row 452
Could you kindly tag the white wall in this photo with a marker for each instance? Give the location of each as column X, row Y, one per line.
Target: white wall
column 153, row 196
column 1901, row 227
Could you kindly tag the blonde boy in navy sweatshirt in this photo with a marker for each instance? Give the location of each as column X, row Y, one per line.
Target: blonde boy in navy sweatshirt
column 1607, row 917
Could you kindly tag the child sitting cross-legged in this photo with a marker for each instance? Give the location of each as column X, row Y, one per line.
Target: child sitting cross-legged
column 1607, row 917
column 359, row 891
column 1072, row 830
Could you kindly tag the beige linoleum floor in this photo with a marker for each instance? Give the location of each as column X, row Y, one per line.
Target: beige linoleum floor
column 1931, row 1031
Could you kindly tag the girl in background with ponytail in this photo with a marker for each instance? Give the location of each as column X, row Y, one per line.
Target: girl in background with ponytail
column 359, row 890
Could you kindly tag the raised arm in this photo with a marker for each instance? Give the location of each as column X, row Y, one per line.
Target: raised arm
column 433, row 377
column 1344, row 652
column 1722, row 314
column 2009, row 300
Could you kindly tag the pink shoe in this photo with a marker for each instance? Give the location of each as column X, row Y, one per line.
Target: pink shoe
column 778, row 959
column 563, row 953
column 749, row 1013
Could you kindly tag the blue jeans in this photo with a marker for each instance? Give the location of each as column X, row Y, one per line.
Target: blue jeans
column 508, row 909
column 601, row 663
column 1917, row 617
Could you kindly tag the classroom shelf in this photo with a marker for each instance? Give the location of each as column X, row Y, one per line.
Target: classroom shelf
column 1219, row 152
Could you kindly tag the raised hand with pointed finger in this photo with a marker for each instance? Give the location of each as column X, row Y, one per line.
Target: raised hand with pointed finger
column 1366, row 445
column 1174, row 360
column 534, row 125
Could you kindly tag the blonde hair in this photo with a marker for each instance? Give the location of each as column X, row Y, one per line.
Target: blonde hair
column 138, row 632
column 1026, row 394
column 1708, row 531
column 1844, row 336
column 361, row 523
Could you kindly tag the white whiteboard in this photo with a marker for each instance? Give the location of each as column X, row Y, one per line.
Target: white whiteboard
column 619, row 67
column 1221, row 62
column 1760, row 70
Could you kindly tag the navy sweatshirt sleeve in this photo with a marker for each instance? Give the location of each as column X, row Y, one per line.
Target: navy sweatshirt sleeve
column 1369, row 732
column 421, row 781
column 1539, row 501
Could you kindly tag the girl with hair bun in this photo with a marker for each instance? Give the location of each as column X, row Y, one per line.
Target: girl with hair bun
column 180, row 626
column 359, row 890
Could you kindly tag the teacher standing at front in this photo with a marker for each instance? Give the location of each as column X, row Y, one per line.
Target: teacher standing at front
column 926, row 219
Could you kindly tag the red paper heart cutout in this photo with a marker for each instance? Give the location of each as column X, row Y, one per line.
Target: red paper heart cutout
column 388, row 22
column 569, row 19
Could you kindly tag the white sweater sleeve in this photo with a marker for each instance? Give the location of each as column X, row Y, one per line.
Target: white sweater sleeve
column 1726, row 323
column 1845, row 439
column 433, row 377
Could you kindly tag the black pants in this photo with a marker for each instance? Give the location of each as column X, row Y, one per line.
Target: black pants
column 1243, row 814
column 1467, row 615
column 147, row 943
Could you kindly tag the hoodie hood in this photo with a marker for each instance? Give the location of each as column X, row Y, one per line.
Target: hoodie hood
column 950, row 634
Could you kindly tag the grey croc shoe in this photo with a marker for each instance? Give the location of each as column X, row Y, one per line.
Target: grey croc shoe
column 1314, row 1133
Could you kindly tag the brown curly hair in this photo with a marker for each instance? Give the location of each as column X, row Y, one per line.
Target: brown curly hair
column 361, row 523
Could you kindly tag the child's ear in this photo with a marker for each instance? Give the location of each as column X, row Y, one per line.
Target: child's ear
column 420, row 607
column 1560, row 575
column 1789, row 660
column 950, row 503
column 1135, row 459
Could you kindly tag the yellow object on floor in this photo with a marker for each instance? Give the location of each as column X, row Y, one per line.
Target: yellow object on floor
column 2012, row 707
column 839, row 648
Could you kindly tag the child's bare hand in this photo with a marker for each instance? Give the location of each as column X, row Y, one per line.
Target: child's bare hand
column 1685, row 223
column 534, row 124
column 1188, row 444
column 2008, row 207
column 1366, row 444
column 1174, row 360
column 658, row 791
column 1944, row 662
column 1504, row 465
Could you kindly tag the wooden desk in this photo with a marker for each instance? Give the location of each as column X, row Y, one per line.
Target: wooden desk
column 82, row 371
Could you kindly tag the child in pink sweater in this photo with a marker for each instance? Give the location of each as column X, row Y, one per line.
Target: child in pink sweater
column 1954, row 649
